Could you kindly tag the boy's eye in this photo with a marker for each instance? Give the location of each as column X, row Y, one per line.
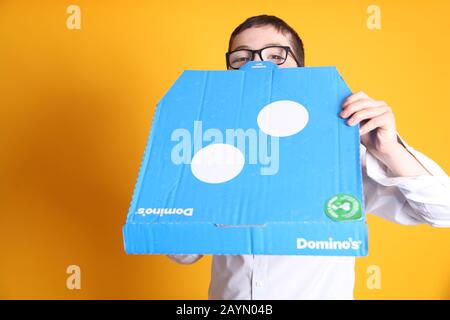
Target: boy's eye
column 275, row 57
column 240, row 59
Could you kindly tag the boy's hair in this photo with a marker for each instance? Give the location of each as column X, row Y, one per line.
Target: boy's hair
column 280, row 26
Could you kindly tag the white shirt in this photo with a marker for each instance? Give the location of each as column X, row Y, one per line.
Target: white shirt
column 404, row 200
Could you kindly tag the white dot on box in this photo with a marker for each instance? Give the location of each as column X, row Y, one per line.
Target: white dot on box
column 282, row 118
column 217, row 163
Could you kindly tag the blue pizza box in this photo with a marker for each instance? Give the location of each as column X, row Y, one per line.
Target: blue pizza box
column 250, row 161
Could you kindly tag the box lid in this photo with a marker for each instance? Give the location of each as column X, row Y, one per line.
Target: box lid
column 250, row 161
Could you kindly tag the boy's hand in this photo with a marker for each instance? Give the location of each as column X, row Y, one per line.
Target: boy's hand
column 377, row 130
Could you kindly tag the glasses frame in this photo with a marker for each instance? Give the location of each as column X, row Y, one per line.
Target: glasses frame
column 253, row 52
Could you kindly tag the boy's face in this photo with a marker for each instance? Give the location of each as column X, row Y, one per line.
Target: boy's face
column 260, row 37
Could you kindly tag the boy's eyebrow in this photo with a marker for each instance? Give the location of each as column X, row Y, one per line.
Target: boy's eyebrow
column 241, row 47
column 266, row 45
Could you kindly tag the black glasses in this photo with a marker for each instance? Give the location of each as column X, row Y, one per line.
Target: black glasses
column 275, row 54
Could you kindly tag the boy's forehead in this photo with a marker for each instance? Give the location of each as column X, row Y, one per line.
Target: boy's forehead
column 259, row 37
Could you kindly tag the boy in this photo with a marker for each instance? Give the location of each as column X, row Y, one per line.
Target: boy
column 400, row 184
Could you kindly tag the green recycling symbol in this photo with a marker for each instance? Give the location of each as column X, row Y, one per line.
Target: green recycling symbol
column 343, row 207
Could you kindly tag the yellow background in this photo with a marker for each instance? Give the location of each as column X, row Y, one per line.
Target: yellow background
column 76, row 108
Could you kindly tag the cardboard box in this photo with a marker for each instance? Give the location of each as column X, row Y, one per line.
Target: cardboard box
column 250, row 161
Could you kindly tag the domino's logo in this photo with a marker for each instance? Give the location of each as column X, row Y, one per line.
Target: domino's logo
column 329, row 244
column 188, row 212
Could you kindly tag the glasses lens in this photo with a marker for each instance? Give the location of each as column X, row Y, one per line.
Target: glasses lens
column 239, row 58
column 275, row 54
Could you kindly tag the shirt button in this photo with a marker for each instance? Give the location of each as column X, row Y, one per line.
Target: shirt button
column 259, row 283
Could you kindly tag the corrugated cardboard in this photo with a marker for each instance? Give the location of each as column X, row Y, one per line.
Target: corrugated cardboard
column 296, row 206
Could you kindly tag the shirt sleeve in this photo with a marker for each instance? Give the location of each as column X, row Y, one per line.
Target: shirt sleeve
column 185, row 258
column 423, row 199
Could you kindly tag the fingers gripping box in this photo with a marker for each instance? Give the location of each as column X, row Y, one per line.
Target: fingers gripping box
column 250, row 161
